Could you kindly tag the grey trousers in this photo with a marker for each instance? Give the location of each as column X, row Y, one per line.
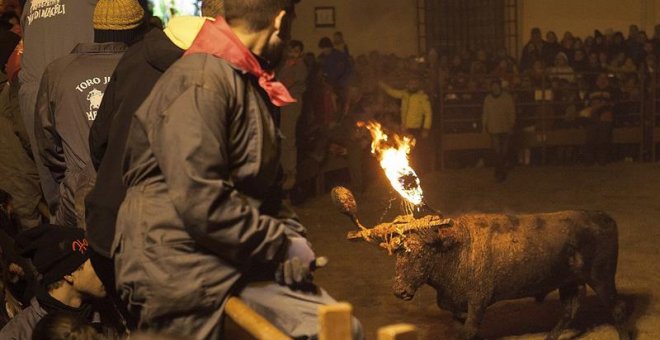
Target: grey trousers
column 293, row 312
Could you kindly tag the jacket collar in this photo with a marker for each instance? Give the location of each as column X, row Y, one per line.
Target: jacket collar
column 217, row 38
column 101, row 48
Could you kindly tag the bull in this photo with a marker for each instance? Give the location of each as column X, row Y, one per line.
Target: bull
column 476, row 260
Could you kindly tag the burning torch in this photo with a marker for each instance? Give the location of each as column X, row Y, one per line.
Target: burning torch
column 392, row 152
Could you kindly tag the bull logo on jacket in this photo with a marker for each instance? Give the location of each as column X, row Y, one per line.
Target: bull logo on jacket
column 94, row 97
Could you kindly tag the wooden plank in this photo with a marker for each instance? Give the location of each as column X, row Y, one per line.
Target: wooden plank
column 465, row 141
column 253, row 323
column 565, row 137
column 628, row 135
column 398, row 332
column 335, row 322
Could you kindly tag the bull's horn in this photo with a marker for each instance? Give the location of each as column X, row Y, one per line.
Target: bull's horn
column 345, row 202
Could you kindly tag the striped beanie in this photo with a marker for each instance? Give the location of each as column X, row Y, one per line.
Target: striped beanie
column 118, row 21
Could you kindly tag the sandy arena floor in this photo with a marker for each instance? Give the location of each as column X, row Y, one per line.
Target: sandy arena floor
column 362, row 274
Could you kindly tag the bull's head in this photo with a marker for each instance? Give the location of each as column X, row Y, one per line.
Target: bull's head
column 416, row 242
column 418, row 257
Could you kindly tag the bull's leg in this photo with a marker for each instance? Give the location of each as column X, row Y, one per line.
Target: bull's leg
column 570, row 300
column 606, row 292
column 475, row 314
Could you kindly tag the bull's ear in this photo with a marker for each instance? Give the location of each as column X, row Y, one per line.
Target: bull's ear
column 448, row 237
column 430, row 235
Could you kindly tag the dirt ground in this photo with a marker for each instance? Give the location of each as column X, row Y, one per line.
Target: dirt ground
column 361, row 273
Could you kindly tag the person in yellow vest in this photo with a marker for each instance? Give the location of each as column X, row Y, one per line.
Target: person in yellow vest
column 416, row 116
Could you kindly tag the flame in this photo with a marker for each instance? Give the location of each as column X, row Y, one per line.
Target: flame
column 392, row 153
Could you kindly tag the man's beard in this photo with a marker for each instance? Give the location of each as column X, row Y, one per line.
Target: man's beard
column 274, row 52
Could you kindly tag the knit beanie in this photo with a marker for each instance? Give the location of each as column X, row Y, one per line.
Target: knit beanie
column 118, row 21
column 55, row 251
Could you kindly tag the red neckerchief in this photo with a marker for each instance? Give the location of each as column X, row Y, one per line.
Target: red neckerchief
column 218, row 39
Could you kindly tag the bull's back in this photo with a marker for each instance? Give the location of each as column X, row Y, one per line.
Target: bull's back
column 524, row 255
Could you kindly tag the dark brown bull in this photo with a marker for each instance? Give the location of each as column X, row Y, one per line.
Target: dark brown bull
column 479, row 259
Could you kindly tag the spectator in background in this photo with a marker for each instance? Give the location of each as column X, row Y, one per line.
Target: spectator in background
column 533, row 49
column 71, row 92
column 567, row 44
column 562, row 70
column 507, row 72
column 592, row 69
column 416, row 117
column 599, row 42
column 656, row 38
column 339, row 43
column 458, row 66
column 498, row 120
column 618, row 44
column 416, row 114
column 551, row 48
column 47, row 38
column 336, row 69
column 293, row 75
column 600, row 115
column 579, row 63
column 633, row 47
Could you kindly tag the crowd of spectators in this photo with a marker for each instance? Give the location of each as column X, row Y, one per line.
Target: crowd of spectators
column 565, row 83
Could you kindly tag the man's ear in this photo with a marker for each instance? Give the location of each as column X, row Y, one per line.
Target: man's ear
column 279, row 21
column 68, row 279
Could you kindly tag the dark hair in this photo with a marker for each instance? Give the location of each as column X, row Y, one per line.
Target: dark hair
column 325, row 42
column 63, row 326
column 5, row 197
column 258, row 14
column 298, row 44
column 213, row 8
column 8, row 15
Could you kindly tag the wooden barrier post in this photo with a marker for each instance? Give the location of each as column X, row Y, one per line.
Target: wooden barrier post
column 398, row 332
column 251, row 322
column 336, row 322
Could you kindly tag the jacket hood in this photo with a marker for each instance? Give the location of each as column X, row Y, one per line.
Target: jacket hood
column 182, row 30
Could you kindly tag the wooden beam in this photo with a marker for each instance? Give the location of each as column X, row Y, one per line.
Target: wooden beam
column 336, row 322
column 398, row 332
column 253, row 323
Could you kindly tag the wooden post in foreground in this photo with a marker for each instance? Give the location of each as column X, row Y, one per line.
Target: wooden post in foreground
column 251, row 322
column 335, row 322
column 398, row 332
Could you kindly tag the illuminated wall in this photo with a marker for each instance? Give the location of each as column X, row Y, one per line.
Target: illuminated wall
column 384, row 25
column 390, row 25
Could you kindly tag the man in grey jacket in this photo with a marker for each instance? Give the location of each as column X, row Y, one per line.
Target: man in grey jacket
column 60, row 256
column 203, row 202
column 51, row 29
column 72, row 88
column 499, row 119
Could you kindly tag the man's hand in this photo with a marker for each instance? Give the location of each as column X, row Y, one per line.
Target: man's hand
column 301, row 261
